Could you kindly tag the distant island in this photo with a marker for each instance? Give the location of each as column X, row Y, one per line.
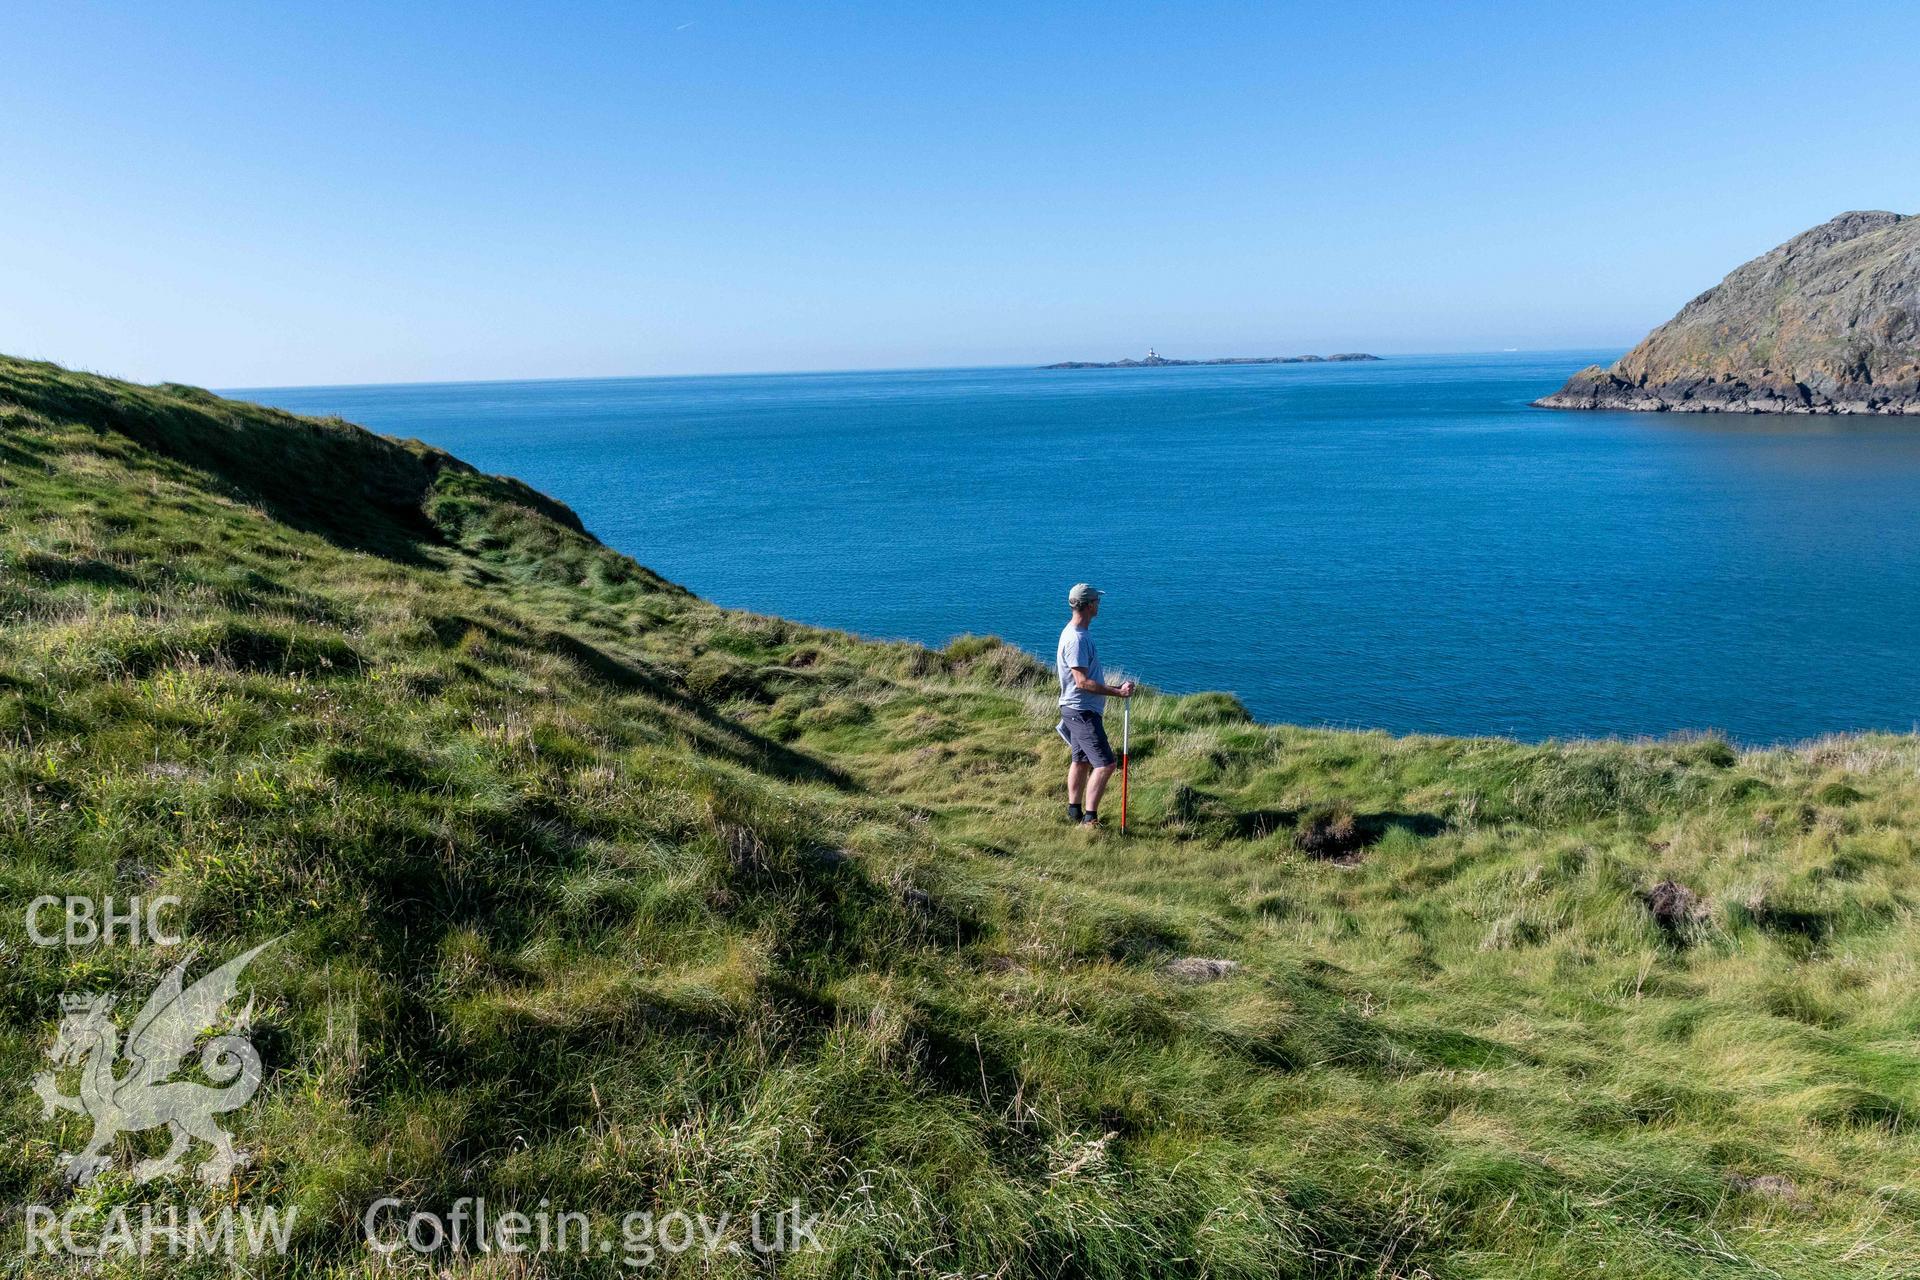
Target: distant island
column 1154, row 360
column 1829, row 322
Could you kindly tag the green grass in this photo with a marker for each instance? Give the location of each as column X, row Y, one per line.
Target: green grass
column 593, row 892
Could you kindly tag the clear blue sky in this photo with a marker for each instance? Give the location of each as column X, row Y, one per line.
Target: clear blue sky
column 246, row 194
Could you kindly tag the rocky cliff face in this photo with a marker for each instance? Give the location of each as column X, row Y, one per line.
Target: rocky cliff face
column 1829, row 322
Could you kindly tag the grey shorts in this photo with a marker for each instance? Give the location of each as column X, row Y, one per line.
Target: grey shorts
column 1086, row 733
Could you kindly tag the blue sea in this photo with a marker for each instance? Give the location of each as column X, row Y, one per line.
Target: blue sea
column 1403, row 545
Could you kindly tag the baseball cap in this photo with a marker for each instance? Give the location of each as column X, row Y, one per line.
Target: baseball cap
column 1083, row 592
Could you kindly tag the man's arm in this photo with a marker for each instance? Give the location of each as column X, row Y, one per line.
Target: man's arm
column 1087, row 684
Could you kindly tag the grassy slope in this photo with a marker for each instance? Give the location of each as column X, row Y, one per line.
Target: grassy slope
column 598, row 893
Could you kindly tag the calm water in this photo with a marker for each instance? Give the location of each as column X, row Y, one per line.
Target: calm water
column 1402, row 545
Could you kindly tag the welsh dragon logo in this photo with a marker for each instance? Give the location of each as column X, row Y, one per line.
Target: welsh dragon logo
column 137, row 1093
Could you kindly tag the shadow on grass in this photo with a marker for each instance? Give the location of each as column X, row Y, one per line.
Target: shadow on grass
column 1329, row 832
column 721, row 735
column 57, row 570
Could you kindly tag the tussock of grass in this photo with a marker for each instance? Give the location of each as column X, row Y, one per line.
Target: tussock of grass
column 598, row 894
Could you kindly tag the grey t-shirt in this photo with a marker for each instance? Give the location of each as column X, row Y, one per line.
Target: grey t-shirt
column 1076, row 650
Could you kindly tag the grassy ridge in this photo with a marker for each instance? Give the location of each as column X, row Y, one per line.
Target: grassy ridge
column 593, row 892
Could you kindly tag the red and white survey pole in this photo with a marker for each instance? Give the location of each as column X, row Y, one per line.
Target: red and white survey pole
column 1126, row 726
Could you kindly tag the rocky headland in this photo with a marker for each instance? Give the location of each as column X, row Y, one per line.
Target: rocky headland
column 1829, row 322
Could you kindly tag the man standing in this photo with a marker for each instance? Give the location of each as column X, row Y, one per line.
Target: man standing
column 1083, row 700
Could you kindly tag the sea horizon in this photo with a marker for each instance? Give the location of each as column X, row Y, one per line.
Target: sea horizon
column 1384, row 356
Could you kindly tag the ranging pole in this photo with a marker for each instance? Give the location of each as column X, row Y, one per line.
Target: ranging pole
column 1126, row 727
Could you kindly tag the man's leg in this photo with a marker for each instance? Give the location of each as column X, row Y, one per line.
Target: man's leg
column 1097, row 787
column 1090, row 745
column 1077, row 772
